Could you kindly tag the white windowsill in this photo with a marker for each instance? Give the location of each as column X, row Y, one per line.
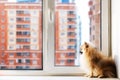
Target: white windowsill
column 51, row 78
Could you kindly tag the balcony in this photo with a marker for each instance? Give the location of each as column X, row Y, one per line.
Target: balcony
column 90, row 13
column 90, row 3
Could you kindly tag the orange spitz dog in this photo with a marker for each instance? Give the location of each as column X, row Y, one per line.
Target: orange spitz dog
column 96, row 64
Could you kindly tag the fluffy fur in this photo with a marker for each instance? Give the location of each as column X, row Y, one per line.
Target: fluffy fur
column 96, row 63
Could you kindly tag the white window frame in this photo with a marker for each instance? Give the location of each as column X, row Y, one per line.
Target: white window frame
column 48, row 43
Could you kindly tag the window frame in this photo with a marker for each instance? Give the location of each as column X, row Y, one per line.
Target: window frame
column 48, row 43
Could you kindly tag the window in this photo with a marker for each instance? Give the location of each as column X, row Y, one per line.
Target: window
column 34, row 61
column 71, row 12
column 26, row 40
column 19, row 54
column 26, row 47
column 23, row 33
column 2, row 13
column 34, row 54
column 11, row 62
column 27, row 19
column 11, row 33
column 27, row 61
column 19, row 12
column 11, row 54
column 16, row 22
column 11, row 47
column 2, row 20
column 47, row 41
column 11, row 19
column 26, row 54
column 20, row 19
column 26, row 26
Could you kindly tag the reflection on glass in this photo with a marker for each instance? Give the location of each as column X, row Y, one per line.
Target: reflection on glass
column 21, row 27
column 76, row 21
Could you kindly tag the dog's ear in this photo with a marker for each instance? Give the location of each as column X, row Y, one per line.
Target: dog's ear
column 86, row 45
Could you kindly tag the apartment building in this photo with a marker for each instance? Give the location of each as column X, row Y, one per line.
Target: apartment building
column 20, row 35
column 66, row 33
column 95, row 27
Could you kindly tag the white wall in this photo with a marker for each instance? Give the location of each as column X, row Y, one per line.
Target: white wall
column 116, row 32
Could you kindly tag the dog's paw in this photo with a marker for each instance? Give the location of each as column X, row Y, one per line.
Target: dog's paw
column 90, row 76
column 86, row 75
column 101, row 76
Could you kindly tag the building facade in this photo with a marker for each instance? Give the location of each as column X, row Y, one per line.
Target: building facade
column 20, row 35
column 95, row 27
column 66, row 33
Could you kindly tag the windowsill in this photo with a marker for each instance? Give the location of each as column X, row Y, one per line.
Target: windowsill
column 51, row 78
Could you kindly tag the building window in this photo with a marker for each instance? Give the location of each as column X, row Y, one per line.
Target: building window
column 27, row 61
column 34, row 54
column 26, row 26
column 19, row 61
column 11, row 19
column 70, row 61
column 26, row 40
column 34, row 62
column 19, row 67
column 27, row 19
column 11, row 33
column 18, row 47
column 71, row 19
column 2, row 54
column 34, row 40
column 2, row 62
column 25, row 54
column 19, row 54
column 71, row 40
column 71, row 47
column 26, row 47
column 11, row 12
column 23, row 33
column 11, row 26
column 27, row 67
column 26, row 12
column 20, row 19
column 11, row 62
column 11, row 47
column 2, row 40
column 26, row 33
column 2, row 47
column 2, row 20
column 2, row 26
column 19, row 12
column 34, row 47
column 2, row 13
column 11, row 54
column 19, row 26
column 71, row 33
column 71, row 12
column 71, row 26
column 71, row 54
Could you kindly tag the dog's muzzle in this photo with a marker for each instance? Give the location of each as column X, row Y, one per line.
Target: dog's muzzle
column 81, row 52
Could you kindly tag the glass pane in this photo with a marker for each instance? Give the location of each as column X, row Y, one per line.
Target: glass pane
column 76, row 21
column 20, row 34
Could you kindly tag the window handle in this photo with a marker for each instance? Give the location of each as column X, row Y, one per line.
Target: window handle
column 51, row 15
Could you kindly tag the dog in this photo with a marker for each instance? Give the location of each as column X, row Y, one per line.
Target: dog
column 96, row 64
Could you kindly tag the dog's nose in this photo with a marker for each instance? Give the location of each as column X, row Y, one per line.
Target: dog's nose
column 81, row 52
